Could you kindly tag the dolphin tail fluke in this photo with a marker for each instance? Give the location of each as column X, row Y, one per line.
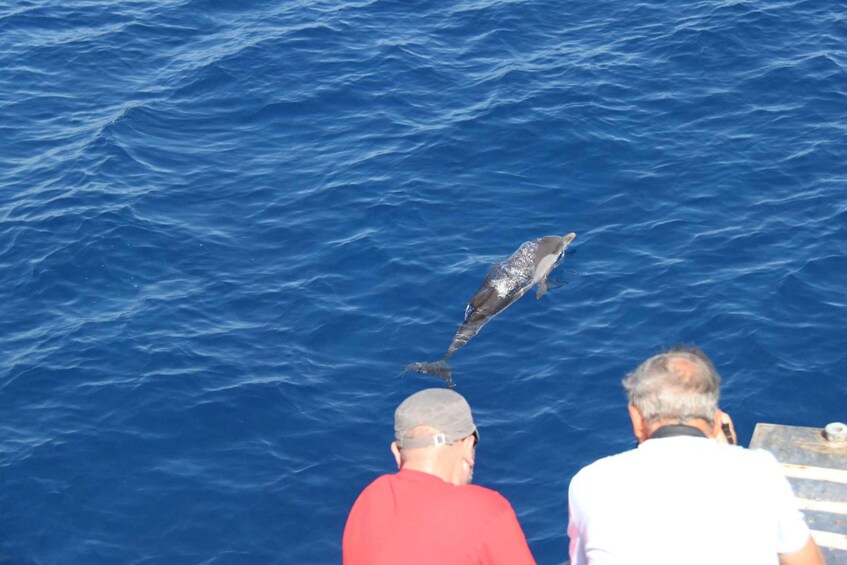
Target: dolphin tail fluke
column 439, row 369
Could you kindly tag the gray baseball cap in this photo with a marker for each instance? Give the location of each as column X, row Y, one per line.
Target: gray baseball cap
column 440, row 408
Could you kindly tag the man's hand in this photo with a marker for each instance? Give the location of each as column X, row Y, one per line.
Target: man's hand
column 725, row 431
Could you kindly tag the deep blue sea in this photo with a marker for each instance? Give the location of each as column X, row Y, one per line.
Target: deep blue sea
column 228, row 226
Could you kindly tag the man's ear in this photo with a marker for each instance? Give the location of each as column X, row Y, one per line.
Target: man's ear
column 716, row 429
column 469, row 451
column 395, row 449
column 639, row 429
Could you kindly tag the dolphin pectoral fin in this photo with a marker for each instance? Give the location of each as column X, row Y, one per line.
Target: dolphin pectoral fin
column 542, row 289
column 552, row 283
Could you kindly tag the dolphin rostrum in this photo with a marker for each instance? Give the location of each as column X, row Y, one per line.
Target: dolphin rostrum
column 507, row 281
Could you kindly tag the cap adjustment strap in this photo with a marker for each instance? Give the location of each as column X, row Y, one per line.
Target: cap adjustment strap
column 413, row 443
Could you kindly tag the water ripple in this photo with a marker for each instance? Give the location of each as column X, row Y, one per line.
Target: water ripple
column 226, row 228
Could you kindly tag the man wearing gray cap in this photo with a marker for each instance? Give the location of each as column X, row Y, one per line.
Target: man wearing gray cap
column 428, row 513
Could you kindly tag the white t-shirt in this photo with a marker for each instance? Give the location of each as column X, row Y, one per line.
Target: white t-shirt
column 683, row 501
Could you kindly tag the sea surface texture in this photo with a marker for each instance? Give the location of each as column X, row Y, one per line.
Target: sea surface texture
column 228, row 226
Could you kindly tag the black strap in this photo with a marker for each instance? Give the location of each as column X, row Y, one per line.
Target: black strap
column 676, row 430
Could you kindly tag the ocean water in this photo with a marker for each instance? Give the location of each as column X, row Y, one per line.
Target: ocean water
column 228, row 226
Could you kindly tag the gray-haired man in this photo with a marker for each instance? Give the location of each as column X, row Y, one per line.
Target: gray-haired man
column 427, row 513
column 684, row 495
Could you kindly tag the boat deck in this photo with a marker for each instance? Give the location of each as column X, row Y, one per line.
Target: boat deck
column 817, row 470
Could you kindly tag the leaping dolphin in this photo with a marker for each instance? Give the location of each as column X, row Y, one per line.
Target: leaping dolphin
column 506, row 282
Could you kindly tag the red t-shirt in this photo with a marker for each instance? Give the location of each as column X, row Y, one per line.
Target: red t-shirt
column 414, row 518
